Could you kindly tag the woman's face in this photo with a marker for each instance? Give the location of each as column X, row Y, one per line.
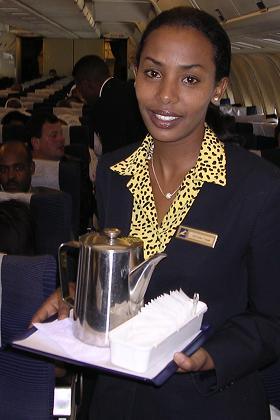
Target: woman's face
column 175, row 82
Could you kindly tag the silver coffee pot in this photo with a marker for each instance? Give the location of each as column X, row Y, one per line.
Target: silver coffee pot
column 112, row 279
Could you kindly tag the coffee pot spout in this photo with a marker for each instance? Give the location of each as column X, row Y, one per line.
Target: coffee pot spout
column 139, row 278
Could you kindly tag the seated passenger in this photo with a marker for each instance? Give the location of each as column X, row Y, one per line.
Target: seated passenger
column 52, row 73
column 16, row 228
column 16, row 167
column 46, row 137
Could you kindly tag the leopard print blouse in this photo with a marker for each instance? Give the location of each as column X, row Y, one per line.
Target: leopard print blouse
column 210, row 167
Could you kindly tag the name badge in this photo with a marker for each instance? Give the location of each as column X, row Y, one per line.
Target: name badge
column 198, row 236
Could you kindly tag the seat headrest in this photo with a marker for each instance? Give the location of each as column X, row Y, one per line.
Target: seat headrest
column 46, row 174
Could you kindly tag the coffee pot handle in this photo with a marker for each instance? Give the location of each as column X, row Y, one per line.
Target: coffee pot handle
column 64, row 264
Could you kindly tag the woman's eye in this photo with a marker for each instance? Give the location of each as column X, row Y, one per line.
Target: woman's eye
column 152, row 74
column 190, row 80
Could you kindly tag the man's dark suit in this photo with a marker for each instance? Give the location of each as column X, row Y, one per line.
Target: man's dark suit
column 115, row 116
column 239, row 279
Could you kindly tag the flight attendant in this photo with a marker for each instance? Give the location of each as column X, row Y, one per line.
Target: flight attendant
column 214, row 209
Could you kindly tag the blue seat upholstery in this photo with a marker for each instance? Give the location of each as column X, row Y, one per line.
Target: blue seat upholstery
column 271, row 380
column 79, row 135
column 26, row 382
column 52, row 214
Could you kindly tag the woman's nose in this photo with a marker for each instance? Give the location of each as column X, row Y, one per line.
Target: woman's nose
column 168, row 91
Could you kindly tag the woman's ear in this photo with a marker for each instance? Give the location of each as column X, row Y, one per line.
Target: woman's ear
column 219, row 90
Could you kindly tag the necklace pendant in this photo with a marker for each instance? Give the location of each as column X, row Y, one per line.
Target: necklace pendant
column 168, row 196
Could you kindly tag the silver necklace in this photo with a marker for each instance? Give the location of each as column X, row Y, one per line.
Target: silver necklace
column 167, row 195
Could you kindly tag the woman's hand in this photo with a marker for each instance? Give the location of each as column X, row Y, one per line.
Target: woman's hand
column 54, row 305
column 200, row 360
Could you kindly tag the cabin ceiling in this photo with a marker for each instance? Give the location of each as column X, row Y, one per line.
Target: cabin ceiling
column 250, row 28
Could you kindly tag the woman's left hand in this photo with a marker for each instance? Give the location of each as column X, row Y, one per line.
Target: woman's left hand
column 200, row 360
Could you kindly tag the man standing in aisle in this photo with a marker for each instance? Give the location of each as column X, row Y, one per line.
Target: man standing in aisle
column 113, row 110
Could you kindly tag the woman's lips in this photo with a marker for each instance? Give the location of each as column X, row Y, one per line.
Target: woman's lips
column 164, row 119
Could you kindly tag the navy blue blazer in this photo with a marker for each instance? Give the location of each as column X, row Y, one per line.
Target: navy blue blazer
column 239, row 279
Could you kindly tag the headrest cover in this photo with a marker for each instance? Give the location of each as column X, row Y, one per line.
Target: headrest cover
column 20, row 196
column 46, row 174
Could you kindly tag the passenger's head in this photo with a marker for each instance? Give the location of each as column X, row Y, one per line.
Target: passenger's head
column 183, row 64
column 13, row 103
column 16, row 227
column 89, row 73
column 16, row 167
column 14, row 118
column 46, row 137
column 52, row 73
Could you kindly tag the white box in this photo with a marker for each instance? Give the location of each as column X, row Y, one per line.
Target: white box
column 141, row 358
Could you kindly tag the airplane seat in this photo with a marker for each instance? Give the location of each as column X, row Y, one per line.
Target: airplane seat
column 78, row 150
column 70, row 182
column 26, row 382
column 42, row 107
column 277, row 134
column 264, row 142
column 271, row 116
column 14, row 132
column 63, row 176
column 271, row 380
column 2, row 101
column 80, row 153
column 273, row 155
column 245, row 131
column 251, row 110
column 14, row 95
column 79, row 134
column 52, row 215
column 224, row 101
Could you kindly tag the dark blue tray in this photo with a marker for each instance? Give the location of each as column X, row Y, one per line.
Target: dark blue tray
column 158, row 380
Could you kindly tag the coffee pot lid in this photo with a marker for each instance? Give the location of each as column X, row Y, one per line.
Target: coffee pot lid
column 110, row 239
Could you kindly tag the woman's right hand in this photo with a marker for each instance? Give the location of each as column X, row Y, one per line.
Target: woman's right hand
column 54, row 305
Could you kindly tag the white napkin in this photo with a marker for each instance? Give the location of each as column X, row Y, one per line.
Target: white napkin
column 161, row 317
column 61, row 332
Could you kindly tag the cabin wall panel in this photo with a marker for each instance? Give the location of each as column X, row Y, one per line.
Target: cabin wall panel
column 255, row 80
column 165, row 4
column 83, row 47
column 268, row 79
column 58, row 54
column 241, row 73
